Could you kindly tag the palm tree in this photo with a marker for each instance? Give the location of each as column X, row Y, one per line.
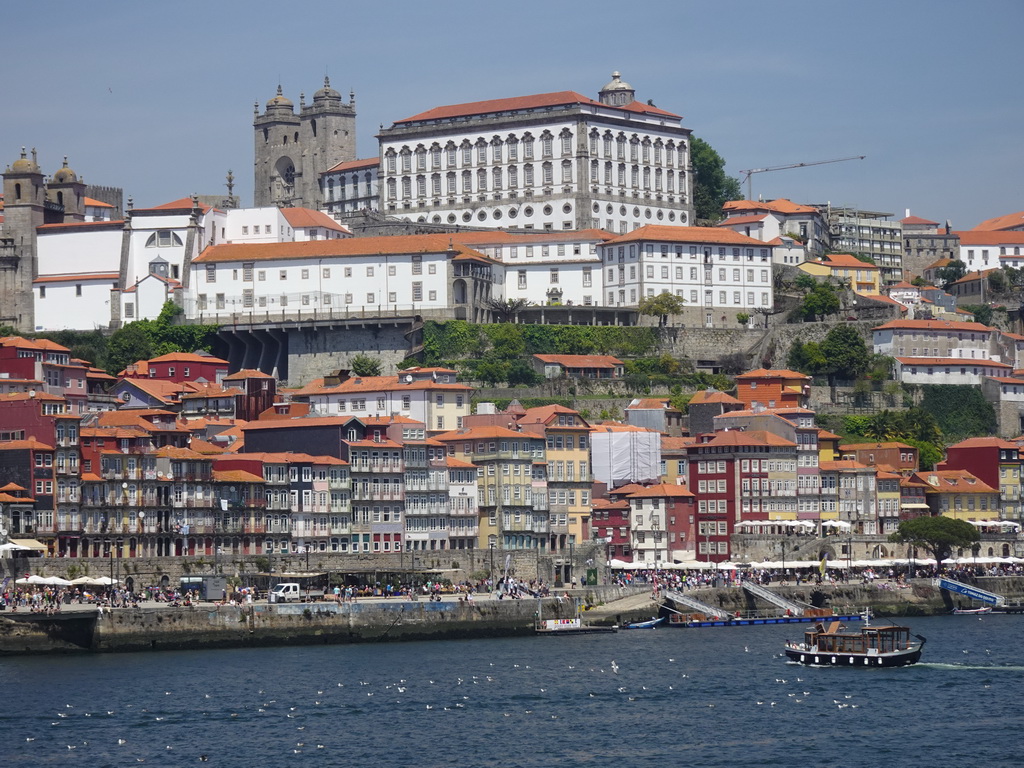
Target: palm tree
column 506, row 310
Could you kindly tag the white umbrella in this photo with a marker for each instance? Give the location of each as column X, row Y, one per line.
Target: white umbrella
column 104, row 581
column 33, row 579
column 9, row 547
column 55, row 581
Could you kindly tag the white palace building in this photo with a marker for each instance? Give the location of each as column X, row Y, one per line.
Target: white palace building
column 559, row 161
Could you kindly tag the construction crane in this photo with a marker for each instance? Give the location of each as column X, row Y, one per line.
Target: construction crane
column 748, row 173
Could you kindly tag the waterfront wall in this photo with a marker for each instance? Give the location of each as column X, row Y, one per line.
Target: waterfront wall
column 454, row 564
column 207, row 625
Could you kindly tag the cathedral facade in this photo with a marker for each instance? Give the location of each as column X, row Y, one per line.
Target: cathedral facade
column 292, row 149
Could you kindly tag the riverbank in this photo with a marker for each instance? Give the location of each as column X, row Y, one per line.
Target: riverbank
column 158, row 626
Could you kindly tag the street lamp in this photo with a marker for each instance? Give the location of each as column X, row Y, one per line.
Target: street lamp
column 491, row 547
column 783, row 560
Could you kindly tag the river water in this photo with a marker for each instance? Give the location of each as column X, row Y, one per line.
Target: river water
column 675, row 697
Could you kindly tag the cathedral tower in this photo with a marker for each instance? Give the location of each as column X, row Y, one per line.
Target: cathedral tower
column 25, row 208
column 292, row 150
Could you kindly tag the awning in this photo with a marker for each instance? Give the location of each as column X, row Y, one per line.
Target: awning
column 29, row 544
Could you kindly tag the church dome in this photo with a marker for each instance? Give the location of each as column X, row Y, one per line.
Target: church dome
column 24, row 165
column 326, row 92
column 280, row 101
column 65, row 175
column 617, row 84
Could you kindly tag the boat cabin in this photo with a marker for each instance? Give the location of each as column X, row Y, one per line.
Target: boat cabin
column 869, row 640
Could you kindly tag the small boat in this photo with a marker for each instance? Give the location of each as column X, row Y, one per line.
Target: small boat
column 871, row 646
column 569, row 627
column 651, row 624
column 972, row 611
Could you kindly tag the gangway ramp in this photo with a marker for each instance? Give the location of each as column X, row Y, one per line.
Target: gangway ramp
column 691, row 602
column 981, row 595
column 777, row 600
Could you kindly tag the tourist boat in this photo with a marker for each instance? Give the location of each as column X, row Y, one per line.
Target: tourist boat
column 972, row 611
column 650, row 624
column 569, row 627
column 871, row 646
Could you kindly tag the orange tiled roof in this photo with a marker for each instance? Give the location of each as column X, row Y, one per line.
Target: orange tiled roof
column 661, row 490
column 354, row 165
column 84, row 277
column 340, row 247
column 301, row 218
column 952, row 362
column 991, row 237
column 666, row 233
column 933, row 325
column 912, row 220
column 521, row 103
column 179, row 204
column 581, row 361
column 774, row 373
column 781, row 205
column 1002, row 222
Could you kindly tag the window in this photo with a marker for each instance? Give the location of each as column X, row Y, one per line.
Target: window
column 211, row 273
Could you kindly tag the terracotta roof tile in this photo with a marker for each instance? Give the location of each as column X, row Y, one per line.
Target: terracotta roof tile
column 339, row 247
column 666, row 233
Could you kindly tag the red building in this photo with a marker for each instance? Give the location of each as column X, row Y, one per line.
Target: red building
column 773, row 389
column 610, row 521
column 179, row 367
column 50, row 364
column 995, row 462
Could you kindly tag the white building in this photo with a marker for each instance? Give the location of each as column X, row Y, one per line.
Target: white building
column 550, row 161
column 717, row 272
column 432, row 396
column 351, row 186
column 981, row 250
column 546, row 267
column 413, row 273
column 801, row 230
column 947, row 352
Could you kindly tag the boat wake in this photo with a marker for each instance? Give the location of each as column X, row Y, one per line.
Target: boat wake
column 966, row 667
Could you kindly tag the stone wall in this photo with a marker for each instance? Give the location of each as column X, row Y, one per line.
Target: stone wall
column 456, row 565
column 313, row 352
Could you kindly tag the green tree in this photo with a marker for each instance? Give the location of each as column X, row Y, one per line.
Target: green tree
column 845, row 352
column 492, row 372
column 982, row 312
column 712, row 188
column 805, row 282
column 806, row 358
column 820, row 301
column 742, row 318
column 521, row 374
column 364, row 365
column 928, row 454
column 939, row 535
column 507, row 342
column 129, row 344
column 884, row 426
column 662, row 305
column 957, row 411
column 950, row 273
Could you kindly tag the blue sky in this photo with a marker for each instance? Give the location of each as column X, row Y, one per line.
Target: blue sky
column 157, row 98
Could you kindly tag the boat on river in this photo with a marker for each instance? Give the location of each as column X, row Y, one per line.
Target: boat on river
column 972, row 611
column 835, row 645
column 649, row 624
column 569, row 627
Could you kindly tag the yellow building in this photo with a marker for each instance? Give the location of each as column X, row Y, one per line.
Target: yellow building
column 857, row 275
column 567, row 470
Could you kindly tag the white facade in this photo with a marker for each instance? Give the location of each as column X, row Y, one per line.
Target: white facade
column 801, row 227
column 439, row 404
column 953, row 370
column 543, row 268
column 367, row 275
column 351, row 186
column 710, row 269
column 73, row 302
column 551, row 161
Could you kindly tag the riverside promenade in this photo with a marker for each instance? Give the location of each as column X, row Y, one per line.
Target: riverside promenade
column 161, row 626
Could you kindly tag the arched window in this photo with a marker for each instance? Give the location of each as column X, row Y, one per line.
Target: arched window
column 312, row 126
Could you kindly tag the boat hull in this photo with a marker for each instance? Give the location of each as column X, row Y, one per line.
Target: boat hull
column 825, row 659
